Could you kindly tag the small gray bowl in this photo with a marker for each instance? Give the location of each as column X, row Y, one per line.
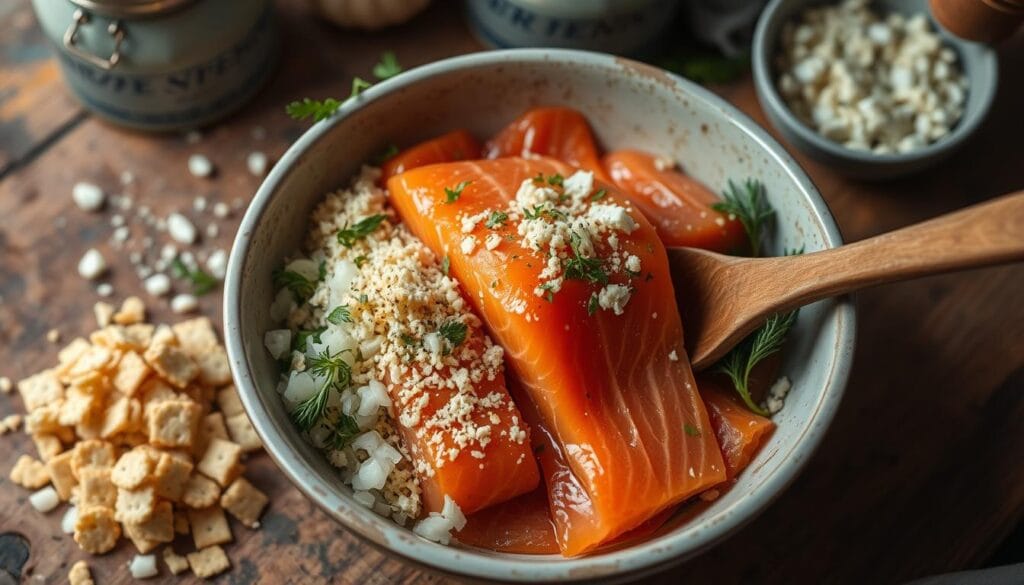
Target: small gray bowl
column 630, row 106
column 978, row 62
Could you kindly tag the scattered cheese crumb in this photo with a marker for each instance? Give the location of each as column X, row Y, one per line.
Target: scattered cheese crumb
column 184, row 303
column 87, row 196
column 143, row 567
column 200, row 166
column 776, row 398
column 104, row 289
column 181, row 229
column 53, row 335
column 614, row 297
column 6, row 385
column 256, row 162
column 217, row 263
column 221, row 210
column 92, row 265
column 673, row 356
column 157, row 285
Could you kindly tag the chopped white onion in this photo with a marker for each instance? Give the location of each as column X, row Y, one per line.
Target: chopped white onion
column 368, row 441
column 363, row 497
column 278, row 342
column 67, row 523
column 45, row 499
column 283, row 304
column 143, row 566
column 372, row 397
column 371, row 476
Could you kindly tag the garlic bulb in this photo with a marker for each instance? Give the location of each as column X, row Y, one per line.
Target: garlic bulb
column 369, row 14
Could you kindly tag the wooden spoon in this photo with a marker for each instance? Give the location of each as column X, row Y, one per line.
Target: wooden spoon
column 724, row 298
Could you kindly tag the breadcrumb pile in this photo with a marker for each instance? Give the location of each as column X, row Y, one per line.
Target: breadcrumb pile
column 140, row 432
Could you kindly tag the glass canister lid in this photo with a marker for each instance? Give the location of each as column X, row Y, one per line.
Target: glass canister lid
column 131, row 8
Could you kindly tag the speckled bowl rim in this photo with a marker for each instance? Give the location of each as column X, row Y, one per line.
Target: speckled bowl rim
column 642, row 558
column 768, row 95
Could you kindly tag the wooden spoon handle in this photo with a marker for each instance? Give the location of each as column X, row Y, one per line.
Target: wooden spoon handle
column 981, row 235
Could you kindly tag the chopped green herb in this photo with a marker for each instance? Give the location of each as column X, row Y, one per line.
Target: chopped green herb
column 340, row 315
column 387, row 67
column 739, row 362
column 409, row 339
column 385, row 155
column 592, row 304
column 335, row 371
column 363, row 298
column 455, row 192
column 691, row 430
column 539, row 179
column 549, row 294
column 316, row 109
column 302, row 337
column 321, row 270
column 360, row 260
column 302, row 288
column 599, row 195
column 348, row 236
column 345, row 430
column 749, row 204
column 202, row 282
column 556, row 179
column 454, row 332
column 496, row 220
column 446, row 264
column 581, row 268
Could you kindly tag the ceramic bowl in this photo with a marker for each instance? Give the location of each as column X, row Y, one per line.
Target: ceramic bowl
column 977, row 61
column 629, row 105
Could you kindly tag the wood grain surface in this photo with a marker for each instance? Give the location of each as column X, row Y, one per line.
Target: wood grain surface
column 919, row 474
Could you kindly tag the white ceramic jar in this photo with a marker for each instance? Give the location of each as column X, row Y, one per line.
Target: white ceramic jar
column 162, row 64
column 622, row 27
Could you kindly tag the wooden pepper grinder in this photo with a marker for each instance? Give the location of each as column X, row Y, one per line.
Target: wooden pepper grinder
column 985, row 21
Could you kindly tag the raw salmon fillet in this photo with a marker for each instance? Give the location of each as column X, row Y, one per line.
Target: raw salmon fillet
column 678, row 205
column 555, row 132
column 740, row 432
column 612, row 393
column 455, row 145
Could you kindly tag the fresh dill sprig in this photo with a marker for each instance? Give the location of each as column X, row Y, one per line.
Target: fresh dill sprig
column 599, row 195
column 340, row 315
column 496, row 220
column 452, row 194
column 454, row 332
column 580, row 268
column 202, row 282
column 302, row 337
column 309, row 108
column 556, row 180
column 302, row 288
column 348, row 236
column 739, row 362
column 336, row 372
column 387, row 67
column 749, row 204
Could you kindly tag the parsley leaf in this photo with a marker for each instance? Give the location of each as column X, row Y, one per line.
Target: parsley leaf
column 496, row 220
column 348, row 236
column 202, row 282
column 340, row 315
column 302, row 337
column 691, row 430
column 581, row 268
column 345, row 430
column 599, row 195
column 454, row 332
column 455, row 192
column 446, row 264
column 302, row 288
column 387, row 67
column 749, row 205
column 592, row 304
column 316, row 109
column 556, row 180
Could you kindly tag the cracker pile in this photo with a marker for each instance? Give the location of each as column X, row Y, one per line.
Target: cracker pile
column 141, row 431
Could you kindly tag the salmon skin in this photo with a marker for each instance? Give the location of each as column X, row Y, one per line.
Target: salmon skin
column 609, row 382
column 455, row 145
column 678, row 205
column 555, row 132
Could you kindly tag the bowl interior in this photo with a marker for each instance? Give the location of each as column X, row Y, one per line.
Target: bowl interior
column 628, row 106
column 977, row 61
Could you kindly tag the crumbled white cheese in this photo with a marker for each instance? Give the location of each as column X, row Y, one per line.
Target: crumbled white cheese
column 157, row 285
column 45, row 499
column 776, row 398
column 613, row 216
column 181, row 228
column 492, row 241
column 184, row 303
column 200, row 166
column 633, row 263
column 104, row 289
column 880, row 83
column 143, row 567
column 221, row 210
column 67, row 522
column 468, row 244
column 199, row 204
column 217, row 263
column 256, row 162
column 87, row 196
column 92, row 265
column 614, row 297
column 673, row 356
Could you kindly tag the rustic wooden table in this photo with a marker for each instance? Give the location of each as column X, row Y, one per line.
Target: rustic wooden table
column 921, row 472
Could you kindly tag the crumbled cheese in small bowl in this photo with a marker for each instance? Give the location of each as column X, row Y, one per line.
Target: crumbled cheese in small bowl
column 870, row 88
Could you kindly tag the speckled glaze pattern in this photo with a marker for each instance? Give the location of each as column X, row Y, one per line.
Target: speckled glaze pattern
column 629, row 105
column 978, row 62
